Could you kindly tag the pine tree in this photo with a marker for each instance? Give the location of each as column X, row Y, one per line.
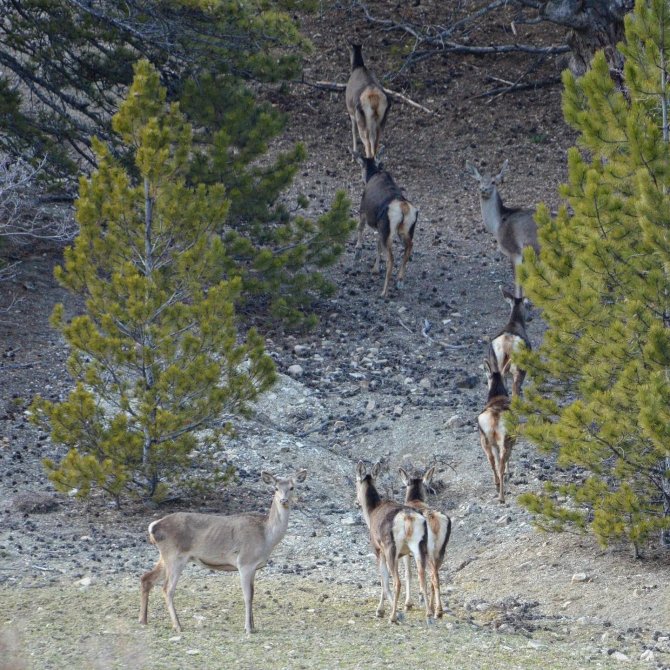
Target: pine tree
column 76, row 58
column 600, row 391
column 156, row 356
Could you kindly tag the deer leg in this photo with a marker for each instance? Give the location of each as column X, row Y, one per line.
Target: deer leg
column 395, row 574
column 408, row 584
column 504, row 457
column 359, row 238
column 363, row 132
column 386, row 591
column 389, row 266
column 407, row 241
column 172, row 574
column 247, row 575
column 375, row 267
column 420, row 559
column 147, row 582
column 489, row 454
column 436, row 596
column 518, row 376
column 353, row 134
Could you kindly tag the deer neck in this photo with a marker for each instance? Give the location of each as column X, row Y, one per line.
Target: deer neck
column 492, row 212
column 277, row 523
column 371, row 501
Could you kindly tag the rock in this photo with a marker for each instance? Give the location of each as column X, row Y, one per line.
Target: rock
column 647, row 655
column 425, row 383
column 349, row 520
column 85, row 581
column 370, row 406
column 580, row 577
column 455, row 421
column 536, row 644
column 339, row 426
column 504, row 520
column 34, row 502
column 468, row 381
column 397, row 410
column 619, row 656
column 300, row 350
column 295, row 371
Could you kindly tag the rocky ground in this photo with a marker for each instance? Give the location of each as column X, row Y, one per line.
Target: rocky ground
column 365, row 384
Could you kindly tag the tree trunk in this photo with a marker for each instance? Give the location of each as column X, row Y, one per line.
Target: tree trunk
column 593, row 24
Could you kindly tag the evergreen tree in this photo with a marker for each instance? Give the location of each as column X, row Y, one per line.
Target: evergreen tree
column 76, row 58
column 600, row 390
column 156, row 355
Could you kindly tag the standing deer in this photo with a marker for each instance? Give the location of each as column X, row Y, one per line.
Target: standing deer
column 367, row 104
column 511, row 339
column 496, row 443
column 439, row 531
column 241, row 542
column 395, row 531
column 385, row 208
column 513, row 228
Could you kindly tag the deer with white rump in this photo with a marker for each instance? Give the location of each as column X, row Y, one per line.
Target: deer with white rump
column 511, row 339
column 513, row 228
column 367, row 104
column 496, row 442
column 241, row 542
column 385, row 208
column 439, row 531
column 395, row 531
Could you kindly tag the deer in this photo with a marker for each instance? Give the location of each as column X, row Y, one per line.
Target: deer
column 385, row 208
column 395, row 531
column 241, row 542
column 367, row 104
column 496, row 442
column 511, row 339
column 439, row 532
column 513, row 228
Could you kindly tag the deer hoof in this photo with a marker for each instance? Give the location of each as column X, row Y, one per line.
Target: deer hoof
column 400, row 284
column 430, row 621
column 400, row 617
column 380, row 613
column 408, row 606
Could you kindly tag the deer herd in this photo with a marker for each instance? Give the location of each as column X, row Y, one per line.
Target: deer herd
column 398, row 530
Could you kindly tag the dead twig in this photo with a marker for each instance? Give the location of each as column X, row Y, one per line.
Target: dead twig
column 334, row 86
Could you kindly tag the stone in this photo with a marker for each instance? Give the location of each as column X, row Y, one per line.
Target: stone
column 580, row 577
column 620, row 656
column 295, row 371
column 397, row 410
column 455, row 421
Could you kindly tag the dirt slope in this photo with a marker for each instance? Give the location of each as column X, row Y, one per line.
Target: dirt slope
column 371, row 387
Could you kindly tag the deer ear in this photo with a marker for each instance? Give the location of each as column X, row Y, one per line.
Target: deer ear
column 268, row 478
column 360, row 470
column 404, row 476
column 428, row 476
column 376, row 469
column 498, row 179
column 301, row 475
column 472, row 170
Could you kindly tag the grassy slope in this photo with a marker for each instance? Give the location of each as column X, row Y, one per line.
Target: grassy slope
column 302, row 623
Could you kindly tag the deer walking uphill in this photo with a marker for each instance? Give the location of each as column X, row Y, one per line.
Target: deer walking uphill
column 513, row 228
column 385, row 208
column 496, row 442
column 439, row 531
column 367, row 104
column 510, row 340
column 395, row 531
column 241, row 542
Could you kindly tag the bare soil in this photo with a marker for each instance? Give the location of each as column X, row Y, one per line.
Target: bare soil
column 372, row 387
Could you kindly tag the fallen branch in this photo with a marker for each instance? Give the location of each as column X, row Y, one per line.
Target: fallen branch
column 334, row 86
column 543, row 83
